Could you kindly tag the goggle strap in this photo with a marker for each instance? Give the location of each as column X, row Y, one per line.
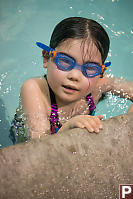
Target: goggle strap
column 43, row 46
column 52, row 53
column 103, row 68
column 107, row 64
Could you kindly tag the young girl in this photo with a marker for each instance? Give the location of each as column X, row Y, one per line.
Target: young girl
column 66, row 96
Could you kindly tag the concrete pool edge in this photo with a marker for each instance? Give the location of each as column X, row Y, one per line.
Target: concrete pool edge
column 75, row 164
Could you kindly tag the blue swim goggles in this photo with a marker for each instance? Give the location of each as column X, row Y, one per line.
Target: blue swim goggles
column 66, row 63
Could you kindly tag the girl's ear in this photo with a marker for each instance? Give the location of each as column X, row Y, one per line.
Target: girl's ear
column 45, row 58
column 45, row 62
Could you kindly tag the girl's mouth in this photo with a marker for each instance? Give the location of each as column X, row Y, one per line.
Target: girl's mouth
column 69, row 89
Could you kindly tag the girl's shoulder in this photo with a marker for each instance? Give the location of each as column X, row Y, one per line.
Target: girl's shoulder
column 106, row 83
column 37, row 84
column 36, row 90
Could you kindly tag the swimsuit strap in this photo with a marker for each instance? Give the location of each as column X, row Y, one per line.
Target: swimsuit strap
column 54, row 118
column 52, row 95
column 91, row 104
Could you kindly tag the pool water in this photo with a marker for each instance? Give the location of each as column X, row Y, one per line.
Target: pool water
column 22, row 23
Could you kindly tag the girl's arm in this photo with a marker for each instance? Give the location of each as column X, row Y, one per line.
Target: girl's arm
column 130, row 108
column 123, row 88
column 35, row 109
column 118, row 86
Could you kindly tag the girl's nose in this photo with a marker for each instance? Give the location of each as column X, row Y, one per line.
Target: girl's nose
column 75, row 74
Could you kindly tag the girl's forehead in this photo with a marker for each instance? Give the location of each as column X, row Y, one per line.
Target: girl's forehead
column 80, row 50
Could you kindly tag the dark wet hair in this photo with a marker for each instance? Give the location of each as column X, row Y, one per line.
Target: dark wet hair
column 81, row 28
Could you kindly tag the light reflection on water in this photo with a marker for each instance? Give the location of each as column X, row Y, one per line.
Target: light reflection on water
column 112, row 106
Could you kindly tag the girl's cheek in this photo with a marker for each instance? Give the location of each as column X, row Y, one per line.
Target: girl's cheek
column 93, row 81
column 52, row 68
column 57, row 75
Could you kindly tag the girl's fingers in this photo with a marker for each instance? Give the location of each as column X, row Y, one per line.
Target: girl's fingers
column 100, row 117
column 130, row 108
column 93, row 124
column 98, row 122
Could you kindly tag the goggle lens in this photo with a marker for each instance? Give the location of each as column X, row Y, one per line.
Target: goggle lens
column 66, row 63
column 91, row 70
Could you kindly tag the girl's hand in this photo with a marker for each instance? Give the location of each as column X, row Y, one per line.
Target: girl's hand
column 130, row 108
column 91, row 123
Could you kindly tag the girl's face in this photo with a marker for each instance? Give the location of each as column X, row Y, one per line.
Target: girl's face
column 60, row 81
